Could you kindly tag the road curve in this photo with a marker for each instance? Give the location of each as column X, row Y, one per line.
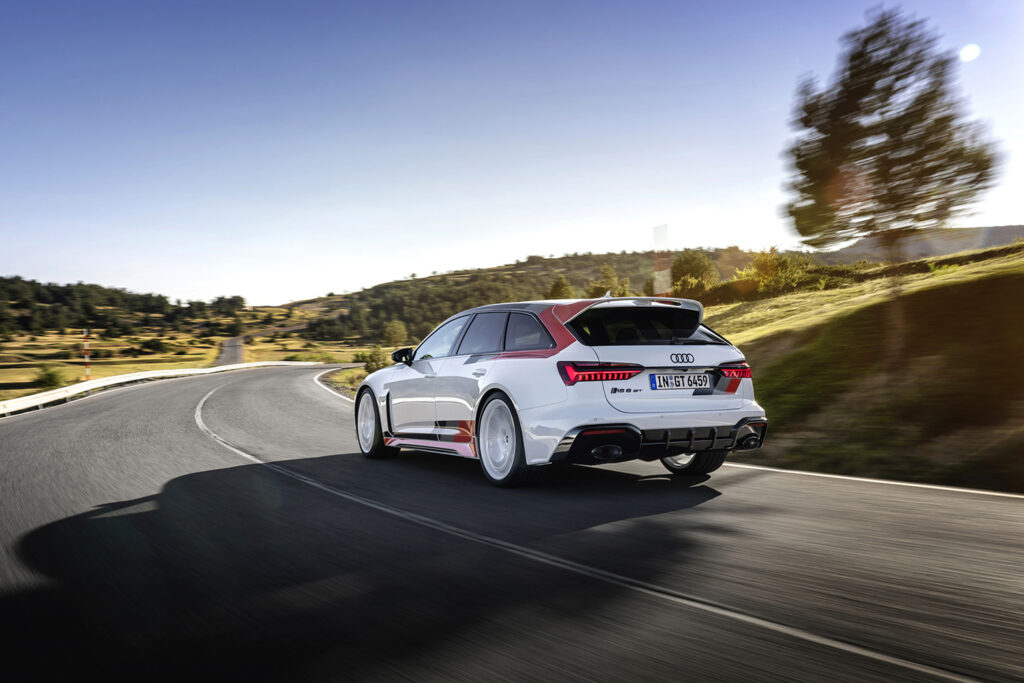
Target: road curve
column 226, row 526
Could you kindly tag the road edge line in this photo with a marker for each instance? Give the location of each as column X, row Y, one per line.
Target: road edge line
column 332, row 392
column 890, row 482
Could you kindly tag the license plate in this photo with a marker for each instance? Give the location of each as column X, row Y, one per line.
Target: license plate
column 681, row 380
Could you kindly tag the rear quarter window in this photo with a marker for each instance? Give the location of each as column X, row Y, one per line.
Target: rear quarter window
column 525, row 333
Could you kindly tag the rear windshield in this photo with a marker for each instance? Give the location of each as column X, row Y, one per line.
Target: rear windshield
column 636, row 325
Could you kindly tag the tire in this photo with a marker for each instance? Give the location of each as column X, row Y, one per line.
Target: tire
column 704, row 462
column 368, row 429
column 500, row 444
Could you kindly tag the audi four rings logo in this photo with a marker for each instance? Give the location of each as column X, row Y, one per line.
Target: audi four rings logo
column 681, row 357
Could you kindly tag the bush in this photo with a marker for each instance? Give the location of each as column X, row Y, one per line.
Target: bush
column 155, row 346
column 688, row 287
column 49, row 377
column 374, row 359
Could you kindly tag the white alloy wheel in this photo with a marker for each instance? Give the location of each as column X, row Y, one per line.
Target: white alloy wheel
column 366, row 422
column 497, row 439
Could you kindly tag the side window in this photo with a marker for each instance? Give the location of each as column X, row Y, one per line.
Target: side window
column 439, row 343
column 484, row 334
column 525, row 332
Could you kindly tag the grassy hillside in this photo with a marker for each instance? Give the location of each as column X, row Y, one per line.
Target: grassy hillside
column 928, row 386
column 928, row 243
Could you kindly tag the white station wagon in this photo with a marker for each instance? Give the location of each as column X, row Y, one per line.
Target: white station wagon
column 522, row 385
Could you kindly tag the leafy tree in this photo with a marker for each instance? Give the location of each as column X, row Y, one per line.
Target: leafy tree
column 234, row 328
column 356, row 320
column 886, row 147
column 6, row 320
column 608, row 281
column 561, row 289
column 395, row 333
column 694, row 264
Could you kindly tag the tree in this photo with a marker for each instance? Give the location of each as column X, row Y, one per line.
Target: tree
column 885, row 148
column 395, row 333
column 608, row 281
column 356, row 320
column 6, row 319
column 694, row 264
column 561, row 289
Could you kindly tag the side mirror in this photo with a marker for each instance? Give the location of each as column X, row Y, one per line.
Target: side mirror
column 402, row 356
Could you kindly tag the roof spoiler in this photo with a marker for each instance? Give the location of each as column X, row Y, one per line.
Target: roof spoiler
column 566, row 312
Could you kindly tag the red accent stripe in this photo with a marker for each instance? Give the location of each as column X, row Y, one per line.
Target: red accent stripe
column 535, row 353
column 565, row 311
column 563, row 337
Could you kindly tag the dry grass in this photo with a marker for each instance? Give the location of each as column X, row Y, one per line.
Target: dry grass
column 20, row 358
column 748, row 321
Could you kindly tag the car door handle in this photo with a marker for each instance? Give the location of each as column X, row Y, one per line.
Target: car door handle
column 479, row 372
column 430, row 376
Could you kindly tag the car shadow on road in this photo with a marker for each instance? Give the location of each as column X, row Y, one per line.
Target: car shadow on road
column 243, row 572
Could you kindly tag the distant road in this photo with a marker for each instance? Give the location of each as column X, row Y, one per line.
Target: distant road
column 231, row 351
column 226, row 527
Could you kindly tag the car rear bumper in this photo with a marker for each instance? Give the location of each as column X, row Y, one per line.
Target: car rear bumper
column 555, row 437
column 593, row 444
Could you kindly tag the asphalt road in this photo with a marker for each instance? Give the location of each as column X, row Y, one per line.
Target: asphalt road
column 135, row 543
column 230, row 351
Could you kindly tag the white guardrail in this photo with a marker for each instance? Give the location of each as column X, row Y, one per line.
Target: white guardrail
column 14, row 405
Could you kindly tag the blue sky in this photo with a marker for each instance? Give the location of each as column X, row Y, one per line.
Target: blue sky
column 281, row 150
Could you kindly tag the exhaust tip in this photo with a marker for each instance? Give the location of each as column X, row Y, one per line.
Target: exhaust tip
column 749, row 443
column 607, row 452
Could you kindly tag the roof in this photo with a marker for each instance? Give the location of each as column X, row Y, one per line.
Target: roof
column 538, row 306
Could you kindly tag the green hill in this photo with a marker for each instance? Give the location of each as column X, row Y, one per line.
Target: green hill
column 926, row 386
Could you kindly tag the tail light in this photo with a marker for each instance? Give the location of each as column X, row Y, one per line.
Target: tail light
column 573, row 372
column 735, row 370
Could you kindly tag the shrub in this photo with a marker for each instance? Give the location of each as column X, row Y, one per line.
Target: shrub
column 49, row 377
column 374, row 359
column 155, row 346
column 688, row 287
